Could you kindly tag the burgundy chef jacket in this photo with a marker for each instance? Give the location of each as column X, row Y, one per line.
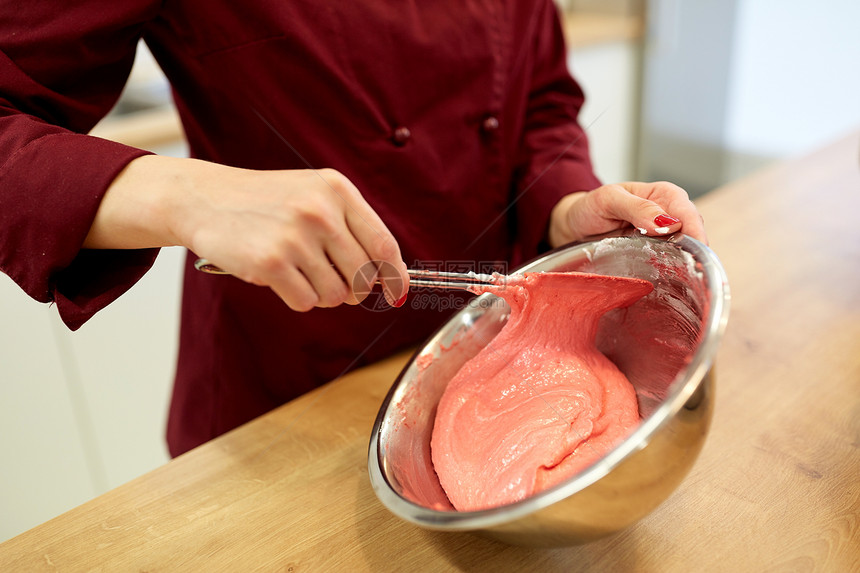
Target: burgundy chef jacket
column 455, row 118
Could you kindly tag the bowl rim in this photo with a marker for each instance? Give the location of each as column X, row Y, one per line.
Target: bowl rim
column 679, row 393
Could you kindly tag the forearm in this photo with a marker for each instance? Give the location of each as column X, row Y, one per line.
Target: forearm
column 141, row 204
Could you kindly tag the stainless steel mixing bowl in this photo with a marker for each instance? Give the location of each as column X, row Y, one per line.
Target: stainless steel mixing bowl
column 665, row 345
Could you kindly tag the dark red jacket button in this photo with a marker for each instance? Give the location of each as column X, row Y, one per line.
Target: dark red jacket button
column 401, row 135
column 490, row 124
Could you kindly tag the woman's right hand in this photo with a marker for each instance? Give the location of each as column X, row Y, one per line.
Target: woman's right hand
column 305, row 233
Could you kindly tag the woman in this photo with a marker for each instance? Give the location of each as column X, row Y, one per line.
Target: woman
column 323, row 140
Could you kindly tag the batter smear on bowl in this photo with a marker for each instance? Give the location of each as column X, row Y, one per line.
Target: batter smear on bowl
column 538, row 403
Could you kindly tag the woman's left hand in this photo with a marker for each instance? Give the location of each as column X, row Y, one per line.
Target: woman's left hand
column 654, row 208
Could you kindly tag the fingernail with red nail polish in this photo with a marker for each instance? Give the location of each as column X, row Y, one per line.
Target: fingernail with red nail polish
column 665, row 220
column 400, row 302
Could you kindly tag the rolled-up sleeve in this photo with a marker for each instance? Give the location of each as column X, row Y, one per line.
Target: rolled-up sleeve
column 553, row 158
column 62, row 67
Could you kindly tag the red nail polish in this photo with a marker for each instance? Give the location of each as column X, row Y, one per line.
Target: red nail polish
column 400, row 302
column 665, row 220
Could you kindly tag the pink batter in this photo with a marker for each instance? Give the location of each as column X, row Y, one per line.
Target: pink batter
column 539, row 402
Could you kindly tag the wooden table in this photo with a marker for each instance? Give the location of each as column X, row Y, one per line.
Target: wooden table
column 777, row 486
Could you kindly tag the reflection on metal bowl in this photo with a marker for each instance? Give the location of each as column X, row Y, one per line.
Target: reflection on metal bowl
column 665, row 344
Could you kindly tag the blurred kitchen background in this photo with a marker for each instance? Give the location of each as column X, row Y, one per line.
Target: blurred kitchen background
column 698, row 92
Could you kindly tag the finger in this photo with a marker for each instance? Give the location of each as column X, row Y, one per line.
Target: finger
column 692, row 223
column 325, row 279
column 696, row 228
column 266, row 267
column 295, row 290
column 298, row 272
column 618, row 202
column 353, row 264
column 669, row 204
column 381, row 247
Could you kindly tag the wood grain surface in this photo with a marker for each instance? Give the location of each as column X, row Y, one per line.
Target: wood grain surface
column 776, row 488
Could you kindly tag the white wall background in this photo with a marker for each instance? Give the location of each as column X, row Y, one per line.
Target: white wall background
column 733, row 84
column 609, row 75
column 795, row 79
column 83, row 412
